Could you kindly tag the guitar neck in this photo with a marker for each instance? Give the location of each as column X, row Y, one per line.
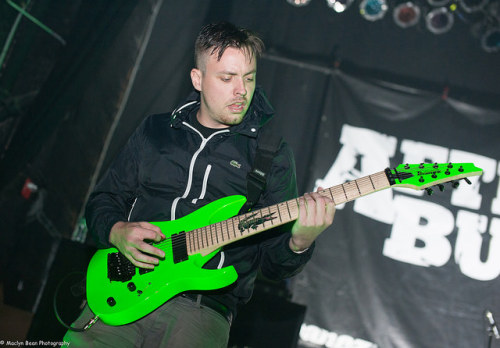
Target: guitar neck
column 206, row 239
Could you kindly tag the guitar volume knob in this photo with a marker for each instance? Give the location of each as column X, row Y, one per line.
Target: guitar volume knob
column 111, row 301
column 131, row 287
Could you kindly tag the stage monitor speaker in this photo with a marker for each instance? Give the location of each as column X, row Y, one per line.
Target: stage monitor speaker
column 29, row 262
column 267, row 320
column 66, row 286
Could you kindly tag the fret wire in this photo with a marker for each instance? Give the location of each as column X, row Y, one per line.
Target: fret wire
column 205, row 230
column 371, row 181
column 270, row 216
column 198, row 236
column 232, row 223
column 219, row 227
column 345, row 194
column 331, row 195
column 239, row 221
column 279, row 213
column 193, row 233
column 212, row 238
column 288, row 208
column 356, row 182
column 216, row 236
column 198, row 239
column 192, row 241
column 229, row 229
column 203, row 239
column 223, row 229
column 355, row 195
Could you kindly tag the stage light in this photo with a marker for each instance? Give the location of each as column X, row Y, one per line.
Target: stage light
column 298, row 3
column 439, row 20
column 438, row 2
column 373, row 10
column 473, row 5
column 339, row 5
column 407, row 14
column 490, row 41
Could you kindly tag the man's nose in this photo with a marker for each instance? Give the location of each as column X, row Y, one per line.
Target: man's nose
column 240, row 87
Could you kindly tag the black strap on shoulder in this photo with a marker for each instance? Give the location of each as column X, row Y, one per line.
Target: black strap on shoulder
column 267, row 146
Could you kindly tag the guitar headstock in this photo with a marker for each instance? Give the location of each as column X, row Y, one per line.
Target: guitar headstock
column 424, row 175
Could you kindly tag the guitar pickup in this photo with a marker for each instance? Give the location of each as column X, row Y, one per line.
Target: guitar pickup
column 179, row 247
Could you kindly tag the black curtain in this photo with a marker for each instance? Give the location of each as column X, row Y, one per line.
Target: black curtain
column 399, row 268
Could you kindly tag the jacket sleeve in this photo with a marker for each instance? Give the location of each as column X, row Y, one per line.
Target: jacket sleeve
column 115, row 192
column 278, row 261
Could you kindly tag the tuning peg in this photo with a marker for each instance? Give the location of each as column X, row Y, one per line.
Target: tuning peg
column 407, row 166
column 467, row 181
column 435, row 165
column 441, row 187
column 450, row 165
column 455, row 184
column 429, row 191
column 421, row 166
column 461, row 169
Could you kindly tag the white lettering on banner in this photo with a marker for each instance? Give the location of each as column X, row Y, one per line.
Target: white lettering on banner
column 420, row 227
column 470, row 243
column 469, row 196
column 420, row 221
column 313, row 335
column 495, row 204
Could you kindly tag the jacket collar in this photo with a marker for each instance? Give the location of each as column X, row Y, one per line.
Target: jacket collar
column 259, row 113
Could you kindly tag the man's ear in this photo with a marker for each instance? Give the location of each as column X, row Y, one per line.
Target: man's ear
column 196, row 79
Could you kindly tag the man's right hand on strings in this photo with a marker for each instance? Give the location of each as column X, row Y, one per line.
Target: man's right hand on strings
column 131, row 239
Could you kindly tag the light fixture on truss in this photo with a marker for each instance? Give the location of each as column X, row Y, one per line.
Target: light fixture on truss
column 490, row 41
column 298, row 3
column 471, row 6
column 439, row 20
column 339, row 5
column 373, row 10
column 438, row 3
column 406, row 14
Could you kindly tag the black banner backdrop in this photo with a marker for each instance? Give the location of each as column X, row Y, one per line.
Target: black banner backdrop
column 399, row 268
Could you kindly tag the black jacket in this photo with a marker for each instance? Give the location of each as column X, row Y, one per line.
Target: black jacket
column 168, row 169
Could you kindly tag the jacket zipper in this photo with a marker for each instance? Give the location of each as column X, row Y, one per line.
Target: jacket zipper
column 131, row 208
column 204, row 186
column 204, row 142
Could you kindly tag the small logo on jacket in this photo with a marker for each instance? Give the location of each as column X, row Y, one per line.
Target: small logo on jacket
column 235, row 164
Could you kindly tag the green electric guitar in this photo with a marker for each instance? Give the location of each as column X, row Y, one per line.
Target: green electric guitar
column 119, row 293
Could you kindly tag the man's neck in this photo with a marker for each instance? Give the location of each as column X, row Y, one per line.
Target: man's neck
column 195, row 121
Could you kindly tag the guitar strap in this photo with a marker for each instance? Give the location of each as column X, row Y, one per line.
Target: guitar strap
column 267, row 147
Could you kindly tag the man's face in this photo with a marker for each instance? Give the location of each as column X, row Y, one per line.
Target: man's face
column 226, row 87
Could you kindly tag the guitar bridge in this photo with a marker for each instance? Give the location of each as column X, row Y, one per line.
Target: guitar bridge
column 120, row 268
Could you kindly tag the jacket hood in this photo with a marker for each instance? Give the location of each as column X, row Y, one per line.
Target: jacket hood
column 259, row 113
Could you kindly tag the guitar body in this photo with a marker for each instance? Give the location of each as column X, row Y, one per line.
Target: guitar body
column 119, row 302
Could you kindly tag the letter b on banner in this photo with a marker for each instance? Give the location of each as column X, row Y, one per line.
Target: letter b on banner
column 419, row 233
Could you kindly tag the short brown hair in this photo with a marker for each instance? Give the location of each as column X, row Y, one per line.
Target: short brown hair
column 217, row 37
